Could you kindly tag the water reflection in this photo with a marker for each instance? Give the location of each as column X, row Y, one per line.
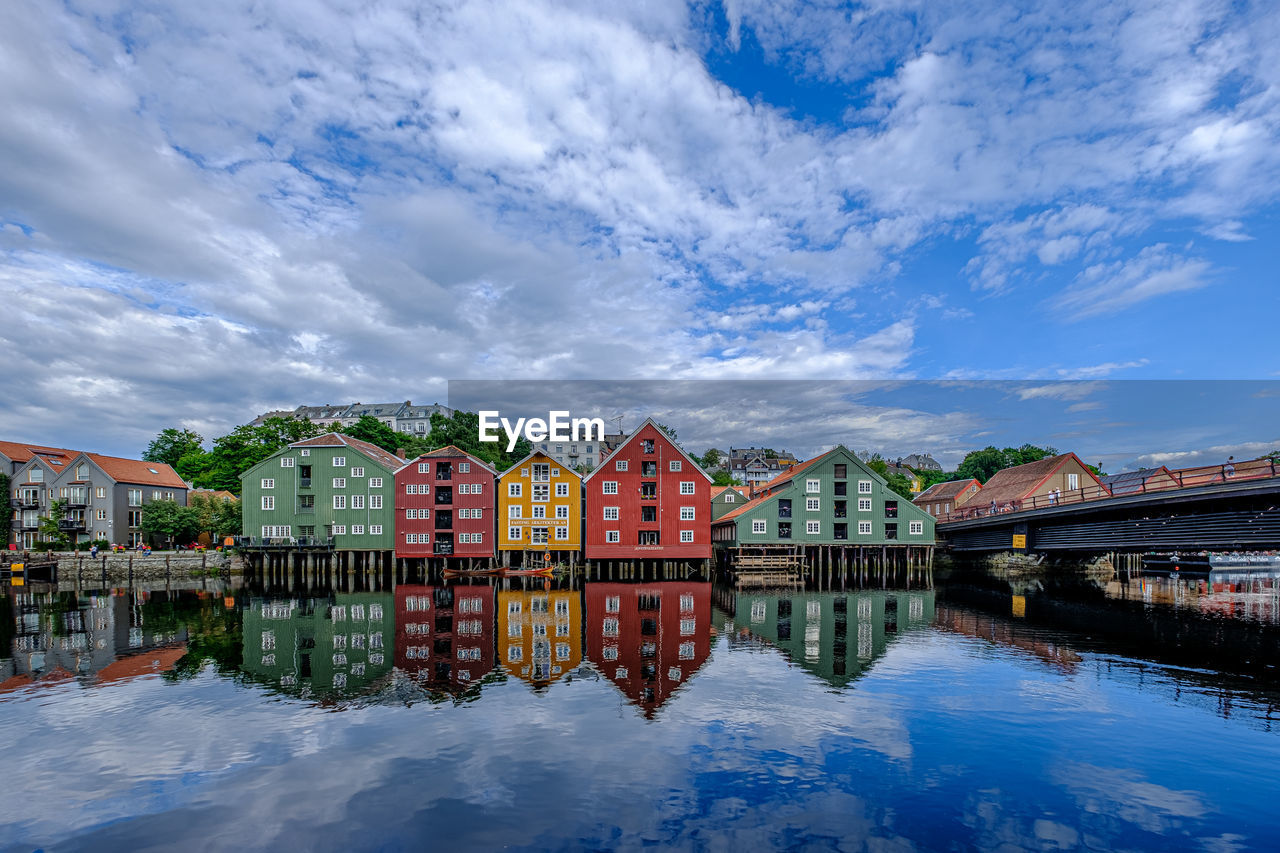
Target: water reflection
column 1235, row 593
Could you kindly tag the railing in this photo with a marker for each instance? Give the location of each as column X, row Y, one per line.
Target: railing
column 25, row 503
column 70, row 524
column 784, row 513
column 304, row 482
column 443, row 548
column 77, row 501
column 1184, row 478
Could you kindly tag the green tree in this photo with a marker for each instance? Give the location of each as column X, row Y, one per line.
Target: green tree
column 170, row 521
column 724, row 478
column 48, row 526
column 246, row 446
column 981, row 464
column 876, row 463
column 462, row 430
column 711, row 459
column 900, row 484
column 1026, row 453
column 374, row 431
column 216, row 517
column 172, row 444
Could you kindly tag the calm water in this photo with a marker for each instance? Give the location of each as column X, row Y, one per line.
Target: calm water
column 595, row 714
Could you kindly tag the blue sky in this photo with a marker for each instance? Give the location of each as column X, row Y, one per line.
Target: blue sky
column 210, row 212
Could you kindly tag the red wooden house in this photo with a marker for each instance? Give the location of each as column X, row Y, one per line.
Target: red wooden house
column 648, row 500
column 648, row 639
column 445, row 506
column 445, row 634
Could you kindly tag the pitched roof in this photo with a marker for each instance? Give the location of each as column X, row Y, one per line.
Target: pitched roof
column 451, row 451
column 945, row 491
column 789, row 474
column 1016, row 483
column 716, row 491
column 22, row 452
column 138, row 472
column 336, row 439
column 551, row 459
column 674, row 443
column 746, row 507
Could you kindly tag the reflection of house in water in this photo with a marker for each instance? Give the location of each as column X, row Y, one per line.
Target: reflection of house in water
column 444, row 634
column 539, row 633
column 325, row 646
column 1004, row 632
column 834, row 635
column 649, row 638
column 98, row 637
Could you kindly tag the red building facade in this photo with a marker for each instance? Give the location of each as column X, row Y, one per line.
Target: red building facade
column 648, row 638
column 648, row 500
column 445, row 506
column 445, row 634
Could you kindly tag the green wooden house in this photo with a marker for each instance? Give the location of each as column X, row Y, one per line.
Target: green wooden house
column 332, row 489
column 832, row 499
column 326, row 647
column 725, row 499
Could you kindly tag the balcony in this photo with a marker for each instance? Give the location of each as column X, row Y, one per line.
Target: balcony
column 442, row 549
column 304, row 482
column 77, row 501
column 784, row 512
column 25, row 503
column 71, row 525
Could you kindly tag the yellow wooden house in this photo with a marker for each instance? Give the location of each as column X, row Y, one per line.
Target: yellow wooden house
column 539, row 512
column 539, row 634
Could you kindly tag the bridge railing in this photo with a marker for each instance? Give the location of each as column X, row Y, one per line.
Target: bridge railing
column 1181, row 478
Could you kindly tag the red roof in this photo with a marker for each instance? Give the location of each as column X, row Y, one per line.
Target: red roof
column 740, row 510
column 452, row 451
column 1018, row 482
column 138, row 472
column 20, row 452
column 945, row 491
column 337, row 439
column 142, row 663
column 716, row 491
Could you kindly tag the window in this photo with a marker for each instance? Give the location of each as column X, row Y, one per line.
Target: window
column 339, row 530
column 729, row 496
column 375, row 501
column 155, row 494
column 562, row 490
column 375, row 482
column 686, row 535
column 811, row 504
column 812, row 487
column 357, row 530
column 135, row 497
column 102, row 515
column 813, row 528
column 539, row 512
column 864, row 528
column 168, row 496
column 541, row 472
column 609, row 627
column 621, row 465
column 135, row 518
column 357, row 501
column 514, row 511
column 864, row 487
column 268, row 502
column 840, row 470
column 609, row 487
column 35, row 475
column 339, row 482
column 611, row 513
column 464, row 467
column 515, row 534
column 759, row 525
column 675, row 465
column 542, row 492
column 276, row 531
column 1073, row 481
column 357, row 472
column 864, row 504
column 611, row 536
column 375, row 530
column 339, row 501
column 287, row 461
column 339, row 462
column 562, row 534
column 562, row 511
column 268, row 483
column 916, row 528
column 686, row 487
column 424, row 467
column 686, row 513
column 100, row 492
column 515, row 490
column 306, row 451
column 647, row 444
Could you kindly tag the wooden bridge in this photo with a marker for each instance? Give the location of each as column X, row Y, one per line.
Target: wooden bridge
column 1219, row 516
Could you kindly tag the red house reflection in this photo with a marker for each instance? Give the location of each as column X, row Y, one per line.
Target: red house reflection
column 445, row 634
column 648, row 638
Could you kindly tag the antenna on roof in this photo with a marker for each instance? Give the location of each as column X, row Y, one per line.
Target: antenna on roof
column 618, row 419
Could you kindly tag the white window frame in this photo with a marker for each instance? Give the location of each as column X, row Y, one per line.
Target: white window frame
column 864, row 528
column 813, row 504
column 562, row 511
column 287, row 461
column 562, row 490
column 687, row 513
column 864, row 487
column 686, row 535
column 357, row 472
column 424, row 467
column 339, row 501
column 612, row 537
column 611, row 513
column 687, row 487
column 674, row 465
column 812, row 487
column 620, row 465
column 759, row 527
column 339, row 482
column 375, row 501
column 864, row 504
column 339, row 462
column 915, row 528
column 268, row 502
column 375, row 482
column 357, row 501
column 515, row 490
column 813, row 528
column 268, row 483
column 515, row 534
column 609, row 487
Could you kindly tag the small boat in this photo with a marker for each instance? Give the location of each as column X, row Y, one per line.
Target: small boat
column 544, row 571
column 1203, row 565
column 482, row 571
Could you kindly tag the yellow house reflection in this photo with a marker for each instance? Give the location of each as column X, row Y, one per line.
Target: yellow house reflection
column 539, row 634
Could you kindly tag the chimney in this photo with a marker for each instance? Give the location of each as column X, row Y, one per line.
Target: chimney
column 400, row 452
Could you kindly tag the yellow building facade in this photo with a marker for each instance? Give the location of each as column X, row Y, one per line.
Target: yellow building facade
column 539, row 633
column 540, row 508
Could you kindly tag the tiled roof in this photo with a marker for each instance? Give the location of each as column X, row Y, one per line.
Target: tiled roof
column 746, row 507
column 450, row 450
column 142, row 663
column 337, row 439
column 945, row 491
column 1131, row 481
column 716, row 491
column 1014, row 484
column 21, row 452
column 138, row 472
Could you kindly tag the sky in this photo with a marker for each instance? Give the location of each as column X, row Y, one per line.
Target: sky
column 212, row 210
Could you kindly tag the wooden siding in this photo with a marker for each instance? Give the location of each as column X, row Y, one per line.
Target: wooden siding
column 539, row 634
column 521, row 475
column 429, row 500
column 640, row 470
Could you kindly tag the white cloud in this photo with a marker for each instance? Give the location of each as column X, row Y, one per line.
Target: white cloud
column 1155, row 271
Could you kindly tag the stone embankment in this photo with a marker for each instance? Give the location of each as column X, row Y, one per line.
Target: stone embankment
column 154, row 566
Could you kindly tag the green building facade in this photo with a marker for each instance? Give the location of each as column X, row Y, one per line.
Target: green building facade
column 330, row 487
column 833, row 499
column 725, row 500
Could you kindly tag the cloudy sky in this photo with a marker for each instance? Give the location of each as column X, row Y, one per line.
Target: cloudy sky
column 209, row 210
